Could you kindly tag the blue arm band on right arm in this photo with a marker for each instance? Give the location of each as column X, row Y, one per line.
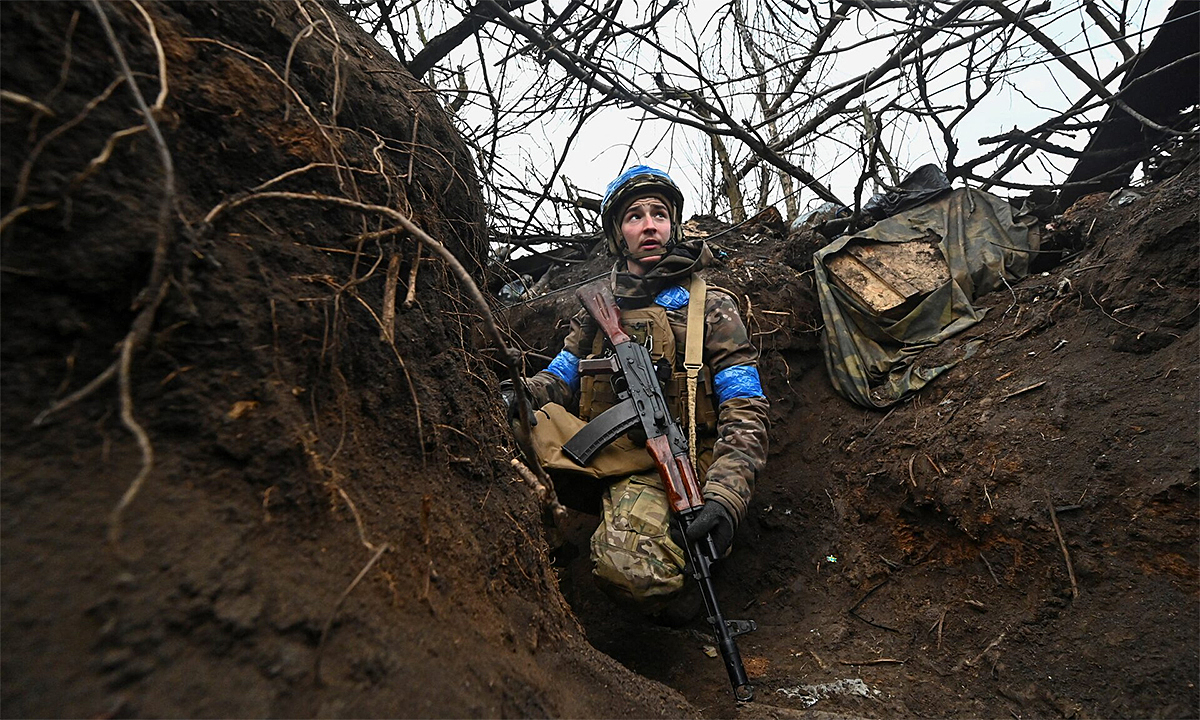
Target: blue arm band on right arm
column 565, row 366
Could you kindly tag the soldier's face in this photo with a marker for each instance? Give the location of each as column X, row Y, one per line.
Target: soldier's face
column 646, row 227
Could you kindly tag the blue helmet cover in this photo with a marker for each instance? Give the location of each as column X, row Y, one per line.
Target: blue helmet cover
column 632, row 178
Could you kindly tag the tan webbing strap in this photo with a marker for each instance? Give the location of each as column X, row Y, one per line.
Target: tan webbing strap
column 693, row 354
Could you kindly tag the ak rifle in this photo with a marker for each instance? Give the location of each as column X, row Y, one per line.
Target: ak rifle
column 643, row 403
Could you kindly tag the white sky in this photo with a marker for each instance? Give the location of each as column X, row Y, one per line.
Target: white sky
column 600, row 151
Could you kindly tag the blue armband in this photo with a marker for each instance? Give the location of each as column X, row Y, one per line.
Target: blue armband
column 739, row 381
column 565, row 366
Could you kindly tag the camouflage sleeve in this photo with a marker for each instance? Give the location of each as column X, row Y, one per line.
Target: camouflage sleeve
column 559, row 383
column 726, row 340
column 740, row 452
column 739, row 455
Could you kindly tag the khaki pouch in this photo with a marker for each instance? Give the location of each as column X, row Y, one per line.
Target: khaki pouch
column 555, row 426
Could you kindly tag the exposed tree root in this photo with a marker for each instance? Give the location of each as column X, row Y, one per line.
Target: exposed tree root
column 511, row 357
column 338, row 606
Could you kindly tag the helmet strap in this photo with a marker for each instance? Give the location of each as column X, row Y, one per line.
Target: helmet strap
column 644, row 253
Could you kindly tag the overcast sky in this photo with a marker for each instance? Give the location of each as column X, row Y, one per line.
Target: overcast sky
column 606, row 143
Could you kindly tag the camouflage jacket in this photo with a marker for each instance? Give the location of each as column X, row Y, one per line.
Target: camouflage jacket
column 740, row 447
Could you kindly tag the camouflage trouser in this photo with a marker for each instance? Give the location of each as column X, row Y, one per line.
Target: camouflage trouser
column 635, row 560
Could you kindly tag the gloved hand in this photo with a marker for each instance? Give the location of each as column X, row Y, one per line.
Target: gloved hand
column 712, row 518
column 511, row 396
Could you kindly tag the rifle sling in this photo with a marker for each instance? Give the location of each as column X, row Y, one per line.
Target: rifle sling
column 693, row 354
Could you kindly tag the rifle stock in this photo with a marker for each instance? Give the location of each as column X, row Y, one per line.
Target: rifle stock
column 598, row 300
column 669, row 449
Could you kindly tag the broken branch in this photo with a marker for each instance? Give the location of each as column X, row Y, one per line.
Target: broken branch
column 1062, row 543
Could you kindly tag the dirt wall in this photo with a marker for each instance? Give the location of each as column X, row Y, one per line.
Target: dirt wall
column 287, row 445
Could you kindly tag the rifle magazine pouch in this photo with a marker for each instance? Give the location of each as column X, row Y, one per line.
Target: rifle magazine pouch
column 579, row 487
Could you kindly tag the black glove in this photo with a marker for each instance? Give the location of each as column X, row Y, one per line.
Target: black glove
column 510, row 395
column 712, row 518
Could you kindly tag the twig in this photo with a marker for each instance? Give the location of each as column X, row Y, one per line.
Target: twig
column 987, row 649
column 105, row 153
column 158, row 266
column 820, row 662
column 338, row 605
column 1025, row 389
column 885, row 417
column 335, row 102
column 27, row 166
column 989, row 567
column 411, row 293
column 412, row 146
column 143, row 441
column 939, row 625
column 19, row 99
column 141, row 328
column 379, row 159
column 1110, row 317
column 387, row 323
column 96, row 383
column 1062, row 543
column 63, row 70
column 877, row 661
column 160, row 54
column 287, row 64
column 157, row 284
column 853, row 610
column 545, row 495
column 362, row 531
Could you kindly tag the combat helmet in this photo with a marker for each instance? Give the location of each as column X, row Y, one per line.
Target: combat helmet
column 638, row 180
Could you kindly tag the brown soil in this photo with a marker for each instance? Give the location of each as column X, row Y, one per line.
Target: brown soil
column 288, row 448
column 285, row 434
column 950, row 595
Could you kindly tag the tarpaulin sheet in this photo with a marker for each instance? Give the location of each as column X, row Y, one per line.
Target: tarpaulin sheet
column 870, row 358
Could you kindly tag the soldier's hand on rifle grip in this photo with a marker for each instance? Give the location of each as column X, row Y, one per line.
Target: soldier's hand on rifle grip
column 511, row 396
column 713, row 518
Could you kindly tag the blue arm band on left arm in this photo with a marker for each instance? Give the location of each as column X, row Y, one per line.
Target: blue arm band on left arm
column 565, row 366
column 739, row 381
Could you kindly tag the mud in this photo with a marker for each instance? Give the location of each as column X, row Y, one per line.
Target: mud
column 898, row 564
column 289, row 443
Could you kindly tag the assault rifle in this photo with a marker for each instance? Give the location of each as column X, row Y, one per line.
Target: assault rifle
column 643, row 402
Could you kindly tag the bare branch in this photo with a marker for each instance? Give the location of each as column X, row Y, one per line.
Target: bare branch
column 1093, row 84
column 440, row 46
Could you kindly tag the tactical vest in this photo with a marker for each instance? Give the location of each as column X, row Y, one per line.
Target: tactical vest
column 649, row 326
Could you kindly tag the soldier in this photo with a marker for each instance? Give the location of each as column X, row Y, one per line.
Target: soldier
column 636, row 561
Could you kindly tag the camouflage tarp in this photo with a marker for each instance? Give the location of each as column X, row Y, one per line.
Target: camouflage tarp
column 871, row 358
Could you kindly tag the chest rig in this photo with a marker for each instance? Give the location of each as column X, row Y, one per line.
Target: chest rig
column 668, row 343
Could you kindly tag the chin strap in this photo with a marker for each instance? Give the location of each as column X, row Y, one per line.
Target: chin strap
column 666, row 249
